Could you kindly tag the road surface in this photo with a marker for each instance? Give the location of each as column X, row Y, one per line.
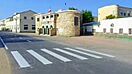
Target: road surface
column 35, row 56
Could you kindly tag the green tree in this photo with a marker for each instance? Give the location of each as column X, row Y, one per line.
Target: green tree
column 110, row 17
column 87, row 16
column 72, row 8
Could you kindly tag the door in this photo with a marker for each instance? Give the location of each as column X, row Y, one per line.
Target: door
column 46, row 30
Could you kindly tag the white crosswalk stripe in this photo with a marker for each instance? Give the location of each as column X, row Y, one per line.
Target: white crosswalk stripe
column 23, row 63
column 39, row 57
column 91, row 51
column 98, row 57
column 20, row 59
column 56, row 55
column 71, row 54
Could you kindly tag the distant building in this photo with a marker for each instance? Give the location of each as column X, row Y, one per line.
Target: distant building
column 61, row 23
column 116, row 10
column 119, row 26
column 2, row 24
column 21, row 22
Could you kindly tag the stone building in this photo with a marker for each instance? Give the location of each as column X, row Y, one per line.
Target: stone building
column 61, row 23
column 115, row 10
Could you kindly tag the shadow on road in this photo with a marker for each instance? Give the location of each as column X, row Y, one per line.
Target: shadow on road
column 9, row 37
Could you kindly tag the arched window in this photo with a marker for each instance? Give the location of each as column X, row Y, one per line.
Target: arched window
column 51, row 26
column 47, row 16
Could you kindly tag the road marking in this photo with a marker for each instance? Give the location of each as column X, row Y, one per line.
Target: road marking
column 4, row 43
column 56, row 55
column 29, row 41
column 39, row 57
column 20, row 59
column 71, row 54
column 91, row 51
column 98, row 57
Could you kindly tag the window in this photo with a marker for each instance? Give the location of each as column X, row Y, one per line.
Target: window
column 104, row 30
column 120, row 30
column 121, row 13
column 47, row 22
column 51, row 26
column 111, row 30
column 25, row 27
column 76, row 21
column 128, row 14
column 112, row 25
column 124, row 14
column 47, row 16
column 130, row 30
column 33, row 27
column 25, row 17
column 43, row 17
column 32, row 18
column 37, row 19
column 51, row 16
column 93, row 30
column 57, row 15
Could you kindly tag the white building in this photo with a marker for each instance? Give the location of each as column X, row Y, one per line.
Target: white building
column 2, row 24
column 21, row 22
column 115, row 26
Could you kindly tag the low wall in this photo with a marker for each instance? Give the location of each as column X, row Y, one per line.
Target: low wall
column 113, row 36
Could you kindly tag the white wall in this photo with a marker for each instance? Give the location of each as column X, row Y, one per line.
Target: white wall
column 124, row 23
column 15, row 22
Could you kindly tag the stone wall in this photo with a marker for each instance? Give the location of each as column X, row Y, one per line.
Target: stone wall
column 65, row 24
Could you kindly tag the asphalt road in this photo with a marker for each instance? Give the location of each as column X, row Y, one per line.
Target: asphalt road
column 33, row 56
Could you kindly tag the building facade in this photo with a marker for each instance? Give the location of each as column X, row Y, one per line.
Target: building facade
column 2, row 25
column 62, row 23
column 115, row 26
column 21, row 22
column 115, row 10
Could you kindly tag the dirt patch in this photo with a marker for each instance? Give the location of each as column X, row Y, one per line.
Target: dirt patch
column 5, row 67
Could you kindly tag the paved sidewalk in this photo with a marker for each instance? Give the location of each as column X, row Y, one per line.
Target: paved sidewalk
column 95, row 42
column 5, row 66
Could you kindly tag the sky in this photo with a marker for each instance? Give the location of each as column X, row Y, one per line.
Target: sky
column 9, row 7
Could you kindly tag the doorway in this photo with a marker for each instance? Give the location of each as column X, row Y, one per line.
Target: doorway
column 46, row 30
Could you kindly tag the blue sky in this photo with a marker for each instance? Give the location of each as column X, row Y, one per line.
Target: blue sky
column 9, row 7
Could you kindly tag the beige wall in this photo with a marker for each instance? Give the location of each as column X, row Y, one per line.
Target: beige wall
column 27, row 21
column 45, row 22
column 107, row 10
column 115, row 10
column 38, row 23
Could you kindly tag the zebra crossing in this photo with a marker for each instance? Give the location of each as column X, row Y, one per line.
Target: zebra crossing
column 73, row 52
